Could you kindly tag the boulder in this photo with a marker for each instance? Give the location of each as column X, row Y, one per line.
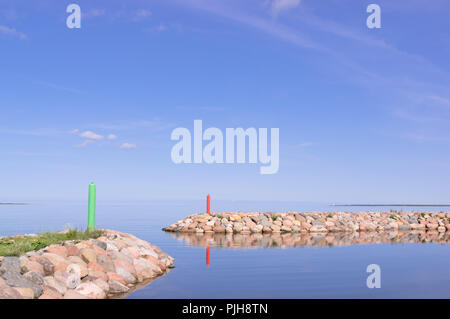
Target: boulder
column 47, row 265
column 53, row 283
column 7, row 292
column 117, row 287
column 100, row 244
column 73, row 294
column 58, row 250
column 10, row 264
column 106, row 263
column 72, row 250
column 59, row 263
column 129, row 278
column 122, row 263
column 30, row 265
column 94, row 266
column 90, row 290
column 50, row 293
column 34, row 277
column 88, row 255
column 15, row 279
column 102, row 284
column 71, row 281
column 112, row 276
column 26, row 293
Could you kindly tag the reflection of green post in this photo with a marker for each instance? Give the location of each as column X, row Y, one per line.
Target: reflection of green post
column 91, row 215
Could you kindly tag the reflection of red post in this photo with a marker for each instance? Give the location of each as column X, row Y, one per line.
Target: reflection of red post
column 208, row 204
column 207, row 256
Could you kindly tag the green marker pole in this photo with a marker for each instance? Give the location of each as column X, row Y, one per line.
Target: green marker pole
column 91, row 214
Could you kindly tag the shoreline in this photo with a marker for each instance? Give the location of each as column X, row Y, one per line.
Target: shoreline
column 311, row 222
column 111, row 266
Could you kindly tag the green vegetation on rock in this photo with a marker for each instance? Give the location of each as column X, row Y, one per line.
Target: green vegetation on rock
column 18, row 245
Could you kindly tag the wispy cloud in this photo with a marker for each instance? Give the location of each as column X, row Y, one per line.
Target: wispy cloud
column 91, row 135
column 12, row 32
column 262, row 23
column 278, row 6
column 111, row 137
column 58, row 87
column 440, row 100
column 85, row 143
column 127, row 146
column 141, row 14
column 93, row 13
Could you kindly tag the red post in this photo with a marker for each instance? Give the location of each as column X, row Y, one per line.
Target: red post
column 208, row 204
column 207, row 256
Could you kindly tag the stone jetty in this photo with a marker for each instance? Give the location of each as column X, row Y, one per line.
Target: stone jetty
column 109, row 266
column 311, row 222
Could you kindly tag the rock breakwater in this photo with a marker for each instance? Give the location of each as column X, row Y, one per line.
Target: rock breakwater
column 111, row 265
column 314, row 222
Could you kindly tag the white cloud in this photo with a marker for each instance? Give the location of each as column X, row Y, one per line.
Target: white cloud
column 111, row 137
column 75, row 131
column 91, row 135
column 12, row 32
column 141, row 14
column 127, row 146
column 283, row 5
column 58, row 87
column 161, row 28
column 85, row 143
column 94, row 13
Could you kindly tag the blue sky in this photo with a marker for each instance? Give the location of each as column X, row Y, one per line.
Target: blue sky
column 363, row 113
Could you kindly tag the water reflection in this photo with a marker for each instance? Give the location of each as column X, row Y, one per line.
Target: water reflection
column 282, row 240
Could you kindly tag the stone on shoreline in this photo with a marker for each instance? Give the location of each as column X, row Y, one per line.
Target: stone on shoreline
column 312, row 222
column 94, row 268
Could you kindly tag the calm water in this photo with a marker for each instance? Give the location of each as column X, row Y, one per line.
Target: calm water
column 409, row 270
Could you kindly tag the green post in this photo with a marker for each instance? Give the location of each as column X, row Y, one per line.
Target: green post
column 91, row 215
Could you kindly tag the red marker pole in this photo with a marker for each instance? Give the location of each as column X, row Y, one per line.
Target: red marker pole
column 207, row 256
column 208, row 204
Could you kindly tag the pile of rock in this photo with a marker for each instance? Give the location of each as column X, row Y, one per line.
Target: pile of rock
column 246, row 223
column 95, row 268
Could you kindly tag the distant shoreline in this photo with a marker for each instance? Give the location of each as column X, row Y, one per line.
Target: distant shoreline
column 14, row 204
column 387, row 205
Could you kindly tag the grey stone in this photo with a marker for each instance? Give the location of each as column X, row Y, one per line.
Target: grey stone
column 100, row 244
column 266, row 223
column 15, row 279
column 10, row 264
column 35, row 277
column 49, row 268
